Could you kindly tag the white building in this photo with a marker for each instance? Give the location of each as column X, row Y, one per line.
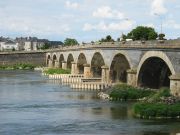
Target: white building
column 28, row 46
column 9, row 46
column 32, row 45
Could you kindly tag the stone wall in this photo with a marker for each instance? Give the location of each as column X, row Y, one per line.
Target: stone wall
column 35, row 58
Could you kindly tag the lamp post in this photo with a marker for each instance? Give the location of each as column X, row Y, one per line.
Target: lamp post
column 122, row 35
column 161, row 20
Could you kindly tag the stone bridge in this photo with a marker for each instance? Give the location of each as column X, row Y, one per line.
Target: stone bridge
column 144, row 64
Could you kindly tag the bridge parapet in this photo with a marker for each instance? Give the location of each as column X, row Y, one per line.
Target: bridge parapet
column 167, row 44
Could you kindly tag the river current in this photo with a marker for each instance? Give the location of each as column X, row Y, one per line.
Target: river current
column 30, row 104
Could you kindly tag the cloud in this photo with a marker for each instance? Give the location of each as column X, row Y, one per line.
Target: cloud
column 102, row 26
column 149, row 25
column 107, row 12
column 171, row 24
column 157, row 7
column 26, row 25
column 71, row 5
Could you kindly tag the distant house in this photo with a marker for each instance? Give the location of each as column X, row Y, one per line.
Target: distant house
column 9, row 46
column 28, row 46
column 32, row 45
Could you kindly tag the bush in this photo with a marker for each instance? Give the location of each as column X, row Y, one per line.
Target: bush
column 157, row 97
column 57, row 71
column 125, row 92
column 154, row 110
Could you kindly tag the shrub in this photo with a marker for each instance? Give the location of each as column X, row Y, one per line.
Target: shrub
column 154, row 110
column 125, row 92
column 57, row 71
column 163, row 92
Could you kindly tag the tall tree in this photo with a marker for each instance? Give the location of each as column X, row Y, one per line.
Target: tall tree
column 142, row 33
column 70, row 41
column 107, row 39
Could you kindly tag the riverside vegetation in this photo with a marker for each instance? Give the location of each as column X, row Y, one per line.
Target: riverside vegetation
column 150, row 103
column 57, row 71
column 21, row 66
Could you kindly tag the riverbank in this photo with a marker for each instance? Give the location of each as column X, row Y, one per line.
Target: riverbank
column 20, row 66
column 149, row 103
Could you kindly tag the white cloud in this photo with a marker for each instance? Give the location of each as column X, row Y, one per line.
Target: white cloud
column 71, row 5
column 150, row 25
column 107, row 12
column 157, row 7
column 171, row 24
column 102, row 26
column 32, row 26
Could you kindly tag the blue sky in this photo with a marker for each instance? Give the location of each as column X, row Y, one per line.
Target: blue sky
column 86, row 20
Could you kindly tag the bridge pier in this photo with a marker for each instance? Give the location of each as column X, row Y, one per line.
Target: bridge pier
column 64, row 65
column 105, row 74
column 175, row 84
column 56, row 64
column 50, row 63
column 87, row 71
column 74, row 69
column 131, row 77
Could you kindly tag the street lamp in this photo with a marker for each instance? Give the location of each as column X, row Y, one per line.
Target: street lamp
column 160, row 18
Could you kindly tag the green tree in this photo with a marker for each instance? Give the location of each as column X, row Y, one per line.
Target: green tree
column 45, row 46
column 143, row 33
column 70, row 41
column 107, row 39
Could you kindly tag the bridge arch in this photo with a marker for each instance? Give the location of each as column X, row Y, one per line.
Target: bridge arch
column 80, row 62
column 154, row 70
column 118, row 68
column 61, row 59
column 96, row 63
column 54, row 60
column 69, row 60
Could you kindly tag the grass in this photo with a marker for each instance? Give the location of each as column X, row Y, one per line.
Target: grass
column 17, row 66
column 57, row 71
column 126, row 92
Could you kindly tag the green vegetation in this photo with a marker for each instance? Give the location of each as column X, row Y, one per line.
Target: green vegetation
column 161, row 36
column 107, row 39
column 151, row 110
column 142, row 33
column 45, row 46
column 152, row 104
column 125, row 92
column 57, row 71
column 158, row 96
column 70, row 41
column 17, row 66
column 161, row 104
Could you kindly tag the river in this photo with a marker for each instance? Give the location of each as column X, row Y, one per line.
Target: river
column 30, row 104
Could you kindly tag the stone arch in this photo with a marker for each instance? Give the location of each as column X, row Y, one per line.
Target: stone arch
column 118, row 69
column 54, row 60
column 80, row 62
column 48, row 59
column 154, row 70
column 61, row 59
column 69, row 60
column 96, row 63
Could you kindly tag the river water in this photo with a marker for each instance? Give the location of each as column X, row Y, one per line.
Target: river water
column 30, row 104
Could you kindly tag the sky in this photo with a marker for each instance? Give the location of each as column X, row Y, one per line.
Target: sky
column 87, row 20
